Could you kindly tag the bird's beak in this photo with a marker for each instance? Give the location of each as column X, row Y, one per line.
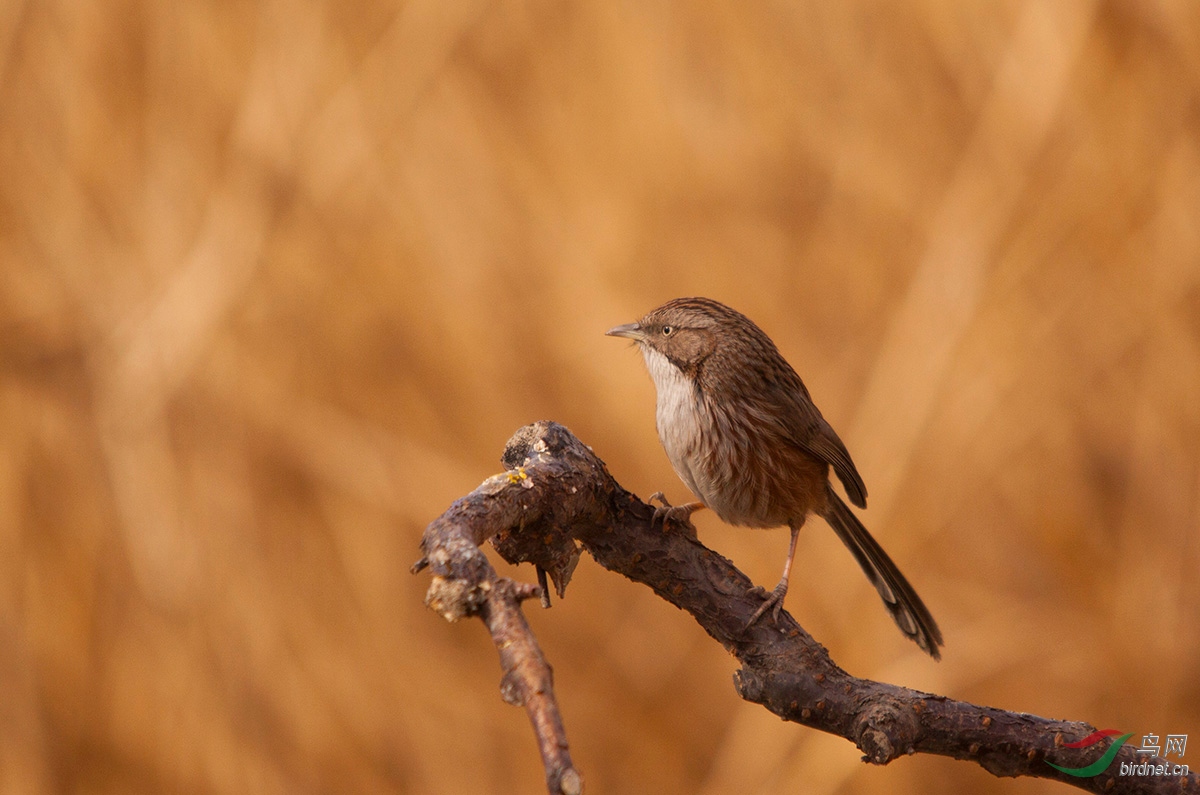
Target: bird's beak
column 631, row 331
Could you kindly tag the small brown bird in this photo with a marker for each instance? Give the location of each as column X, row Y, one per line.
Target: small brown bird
column 743, row 434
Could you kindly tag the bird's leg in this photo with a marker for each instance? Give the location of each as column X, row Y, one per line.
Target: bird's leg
column 679, row 514
column 775, row 598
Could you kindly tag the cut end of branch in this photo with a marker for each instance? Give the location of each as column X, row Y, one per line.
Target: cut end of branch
column 886, row 730
column 876, row 747
column 454, row 598
column 571, row 783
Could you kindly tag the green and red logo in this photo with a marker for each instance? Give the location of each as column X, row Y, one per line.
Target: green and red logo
column 1101, row 764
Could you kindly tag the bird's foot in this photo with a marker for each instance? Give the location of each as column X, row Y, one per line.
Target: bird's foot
column 772, row 600
column 680, row 515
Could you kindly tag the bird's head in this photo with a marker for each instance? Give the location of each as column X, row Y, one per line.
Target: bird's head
column 684, row 332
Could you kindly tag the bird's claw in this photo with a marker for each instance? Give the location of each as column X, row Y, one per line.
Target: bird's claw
column 678, row 514
column 773, row 601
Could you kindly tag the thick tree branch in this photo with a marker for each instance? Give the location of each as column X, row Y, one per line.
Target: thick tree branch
column 557, row 496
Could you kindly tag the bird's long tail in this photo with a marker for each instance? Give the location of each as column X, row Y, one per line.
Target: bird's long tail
column 909, row 612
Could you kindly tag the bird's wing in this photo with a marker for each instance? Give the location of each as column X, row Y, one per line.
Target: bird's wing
column 825, row 445
column 808, row 430
column 784, row 403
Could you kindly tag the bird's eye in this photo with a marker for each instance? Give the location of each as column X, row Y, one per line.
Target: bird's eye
column 666, row 330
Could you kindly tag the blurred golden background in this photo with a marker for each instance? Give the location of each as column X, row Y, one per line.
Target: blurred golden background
column 280, row 279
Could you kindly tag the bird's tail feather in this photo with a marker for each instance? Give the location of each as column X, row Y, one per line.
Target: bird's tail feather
column 909, row 612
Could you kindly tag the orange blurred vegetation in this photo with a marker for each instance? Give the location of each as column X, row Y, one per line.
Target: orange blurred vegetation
column 278, row 280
